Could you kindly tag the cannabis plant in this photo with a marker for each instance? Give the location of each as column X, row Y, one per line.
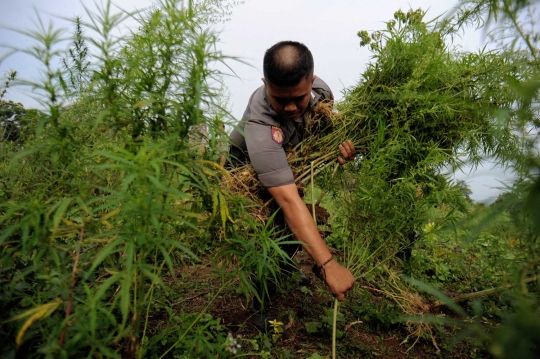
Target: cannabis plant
column 111, row 193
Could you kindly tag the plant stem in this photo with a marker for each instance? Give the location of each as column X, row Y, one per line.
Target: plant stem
column 324, row 192
column 482, row 293
column 313, row 196
column 334, row 329
column 304, row 177
column 71, row 289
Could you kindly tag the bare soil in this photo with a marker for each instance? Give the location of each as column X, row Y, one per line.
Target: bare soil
column 294, row 309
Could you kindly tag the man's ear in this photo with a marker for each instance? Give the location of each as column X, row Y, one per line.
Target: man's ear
column 313, row 79
column 264, row 81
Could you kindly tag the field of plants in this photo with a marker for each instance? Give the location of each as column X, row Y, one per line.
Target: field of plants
column 123, row 236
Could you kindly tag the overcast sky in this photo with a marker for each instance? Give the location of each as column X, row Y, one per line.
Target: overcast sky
column 328, row 28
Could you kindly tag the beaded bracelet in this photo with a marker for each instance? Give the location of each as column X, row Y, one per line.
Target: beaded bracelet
column 325, row 263
column 319, row 270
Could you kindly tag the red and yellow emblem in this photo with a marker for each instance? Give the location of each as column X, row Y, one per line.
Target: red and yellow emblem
column 277, row 135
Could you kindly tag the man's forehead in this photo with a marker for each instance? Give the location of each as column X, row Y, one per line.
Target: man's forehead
column 300, row 90
column 286, row 94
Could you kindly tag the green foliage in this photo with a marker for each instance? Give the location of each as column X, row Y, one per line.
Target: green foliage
column 76, row 64
column 207, row 337
column 115, row 188
column 421, row 107
column 519, row 334
column 427, row 99
column 514, row 25
column 110, row 193
column 377, row 315
column 9, row 79
column 462, row 259
column 15, row 120
column 324, row 324
column 260, row 256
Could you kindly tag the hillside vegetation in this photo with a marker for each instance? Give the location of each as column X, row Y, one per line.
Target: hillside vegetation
column 121, row 237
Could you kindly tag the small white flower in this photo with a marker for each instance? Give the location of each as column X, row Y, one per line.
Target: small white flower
column 231, row 345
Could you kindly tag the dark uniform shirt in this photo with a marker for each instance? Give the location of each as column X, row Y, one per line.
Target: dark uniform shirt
column 261, row 135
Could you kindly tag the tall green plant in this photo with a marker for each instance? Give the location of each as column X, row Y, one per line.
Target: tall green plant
column 76, row 64
column 514, row 26
column 485, row 106
column 109, row 195
column 423, row 106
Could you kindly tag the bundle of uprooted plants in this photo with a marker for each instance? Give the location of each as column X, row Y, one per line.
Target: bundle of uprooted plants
column 324, row 131
column 419, row 105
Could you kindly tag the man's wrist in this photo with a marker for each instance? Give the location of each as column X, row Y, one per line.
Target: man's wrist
column 323, row 264
column 320, row 269
column 331, row 266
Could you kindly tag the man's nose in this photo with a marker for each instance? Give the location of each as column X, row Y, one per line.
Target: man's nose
column 290, row 107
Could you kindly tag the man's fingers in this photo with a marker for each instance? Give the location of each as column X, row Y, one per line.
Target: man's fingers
column 344, row 151
column 341, row 161
column 353, row 150
column 340, row 297
column 347, row 150
column 350, row 149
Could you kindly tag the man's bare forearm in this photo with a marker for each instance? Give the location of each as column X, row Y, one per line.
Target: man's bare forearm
column 300, row 222
column 339, row 279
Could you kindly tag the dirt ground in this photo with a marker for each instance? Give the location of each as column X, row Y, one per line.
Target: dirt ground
column 294, row 309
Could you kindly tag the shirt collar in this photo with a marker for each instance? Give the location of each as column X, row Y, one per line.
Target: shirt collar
column 315, row 97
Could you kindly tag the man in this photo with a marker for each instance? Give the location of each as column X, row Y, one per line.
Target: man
column 274, row 118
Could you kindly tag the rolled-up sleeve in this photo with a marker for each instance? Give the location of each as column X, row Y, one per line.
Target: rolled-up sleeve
column 267, row 156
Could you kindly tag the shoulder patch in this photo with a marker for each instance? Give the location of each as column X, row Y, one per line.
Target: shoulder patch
column 277, row 135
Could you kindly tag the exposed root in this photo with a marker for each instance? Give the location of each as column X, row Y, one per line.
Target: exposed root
column 244, row 181
column 320, row 118
column 412, row 304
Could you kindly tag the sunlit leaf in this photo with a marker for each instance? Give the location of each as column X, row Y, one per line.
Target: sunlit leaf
column 34, row 314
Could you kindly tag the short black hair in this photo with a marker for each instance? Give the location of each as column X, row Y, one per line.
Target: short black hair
column 287, row 63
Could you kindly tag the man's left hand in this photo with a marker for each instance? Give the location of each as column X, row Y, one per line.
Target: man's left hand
column 348, row 152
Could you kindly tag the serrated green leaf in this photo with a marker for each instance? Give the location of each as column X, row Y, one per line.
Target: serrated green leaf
column 127, row 181
column 106, row 285
column 107, row 251
column 61, row 208
column 115, row 157
column 223, row 209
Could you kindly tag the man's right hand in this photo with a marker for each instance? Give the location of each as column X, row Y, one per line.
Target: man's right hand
column 339, row 279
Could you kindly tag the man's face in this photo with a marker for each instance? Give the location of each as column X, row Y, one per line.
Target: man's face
column 290, row 102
